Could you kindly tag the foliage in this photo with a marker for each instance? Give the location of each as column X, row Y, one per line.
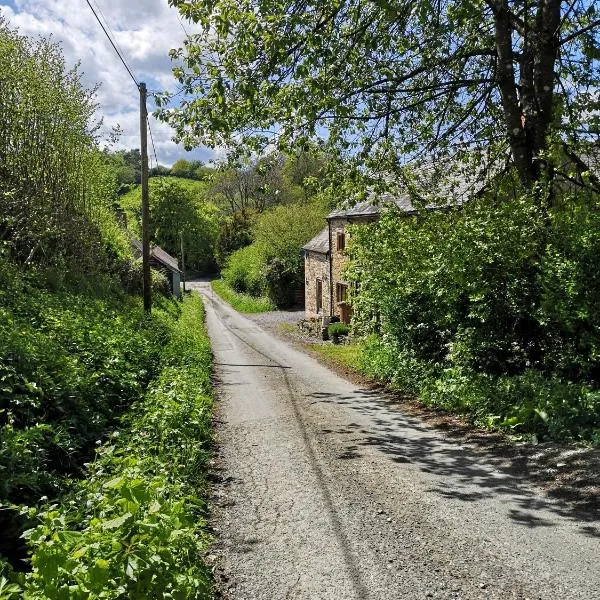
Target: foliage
column 393, row 78
column 194, row 169
column 127, row 165
column 244, row 271
column 179, row 214
column 490, row 310
column 235, row 232
column 338, row 329
column 135, row 527
column 273, row 264
column 131, row 277
column 178, row 205
column 244, row 303
column 56, row 188
column 70, row 364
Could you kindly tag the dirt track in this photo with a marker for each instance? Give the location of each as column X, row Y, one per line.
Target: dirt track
column 327, row 492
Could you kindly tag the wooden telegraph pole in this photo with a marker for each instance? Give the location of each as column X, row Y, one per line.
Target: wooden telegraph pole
column 182, row 259
column 147, row 281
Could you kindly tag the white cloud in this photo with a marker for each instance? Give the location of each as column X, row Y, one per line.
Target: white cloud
column 145, row 31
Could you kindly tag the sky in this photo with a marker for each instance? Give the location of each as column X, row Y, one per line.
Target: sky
column 145, row 30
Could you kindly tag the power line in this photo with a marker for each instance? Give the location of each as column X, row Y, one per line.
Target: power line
column 152, row 141
column 113, row 44
column 120, row 55
column 109, row 27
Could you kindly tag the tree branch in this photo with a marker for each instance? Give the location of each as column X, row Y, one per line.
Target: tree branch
column 576, row 34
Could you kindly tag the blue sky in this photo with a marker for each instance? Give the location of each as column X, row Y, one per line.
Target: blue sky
column 145, row 30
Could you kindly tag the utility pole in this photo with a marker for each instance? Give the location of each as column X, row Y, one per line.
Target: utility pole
column 147, row 281
column 182, row 259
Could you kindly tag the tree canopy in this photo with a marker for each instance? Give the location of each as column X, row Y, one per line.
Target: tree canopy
column 392, row 79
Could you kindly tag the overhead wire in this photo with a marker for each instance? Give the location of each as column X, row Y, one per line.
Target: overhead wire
column 107, row 23
column 113, row 44
column 152, row 141
column 118, row 50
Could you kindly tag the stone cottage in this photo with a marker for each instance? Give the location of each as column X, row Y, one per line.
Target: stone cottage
column 326, row 291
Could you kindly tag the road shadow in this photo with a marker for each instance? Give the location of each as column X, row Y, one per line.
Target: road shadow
column 475, row 465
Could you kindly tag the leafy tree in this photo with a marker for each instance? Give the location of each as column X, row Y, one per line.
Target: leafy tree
column 160, row 171
column 56, row 188
column 268, row 181
column 194, row 169
column 392, row 78
column 235, row 232
column 491, row 310
column 176, row 212
column 181, row 168
column 133, row 161
column 273, row 264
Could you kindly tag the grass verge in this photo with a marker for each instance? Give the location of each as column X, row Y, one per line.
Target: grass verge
column 343, row 355
column 135, row 527
column 243, row 303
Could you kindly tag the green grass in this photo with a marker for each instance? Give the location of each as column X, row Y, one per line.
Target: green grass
column 344, row 355
column 243, row 303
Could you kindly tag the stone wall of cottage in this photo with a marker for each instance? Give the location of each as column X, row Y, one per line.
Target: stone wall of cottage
column 338, row 258
column 316, row 266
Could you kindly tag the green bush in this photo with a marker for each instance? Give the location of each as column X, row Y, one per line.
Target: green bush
column 338, row 329
column 70, row 366
column 272, row 265
column 491, row 310
column 280, row 233
column 244, row 271
column 57, row 188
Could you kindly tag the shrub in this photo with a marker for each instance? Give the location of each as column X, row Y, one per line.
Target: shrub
column 491, row 310
column 135, row 527
column 338, row 329
column 70, row 366
column 244, row 271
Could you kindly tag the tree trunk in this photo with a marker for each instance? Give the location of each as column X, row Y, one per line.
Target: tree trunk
column 528, row 107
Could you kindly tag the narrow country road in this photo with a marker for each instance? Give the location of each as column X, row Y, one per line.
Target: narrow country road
column 328, row 493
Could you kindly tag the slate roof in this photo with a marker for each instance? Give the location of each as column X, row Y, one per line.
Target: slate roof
column 432, row 181
column 158, row 254
column 320, row 243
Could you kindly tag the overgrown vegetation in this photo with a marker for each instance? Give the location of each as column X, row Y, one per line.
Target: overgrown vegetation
column 104, row 410
column 70, row 364
column 491, row 311
column 272, row 265
column 56, row 194
column 135, row 527
column 244, row 303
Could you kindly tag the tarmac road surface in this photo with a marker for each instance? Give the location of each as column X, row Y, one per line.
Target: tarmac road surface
column 327, row 492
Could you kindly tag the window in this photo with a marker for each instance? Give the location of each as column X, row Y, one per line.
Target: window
column 341, row 241
column 341, row 292
column 319, row 296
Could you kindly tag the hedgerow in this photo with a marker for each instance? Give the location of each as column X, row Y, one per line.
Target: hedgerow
column 134, row 528
column 490, row 311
